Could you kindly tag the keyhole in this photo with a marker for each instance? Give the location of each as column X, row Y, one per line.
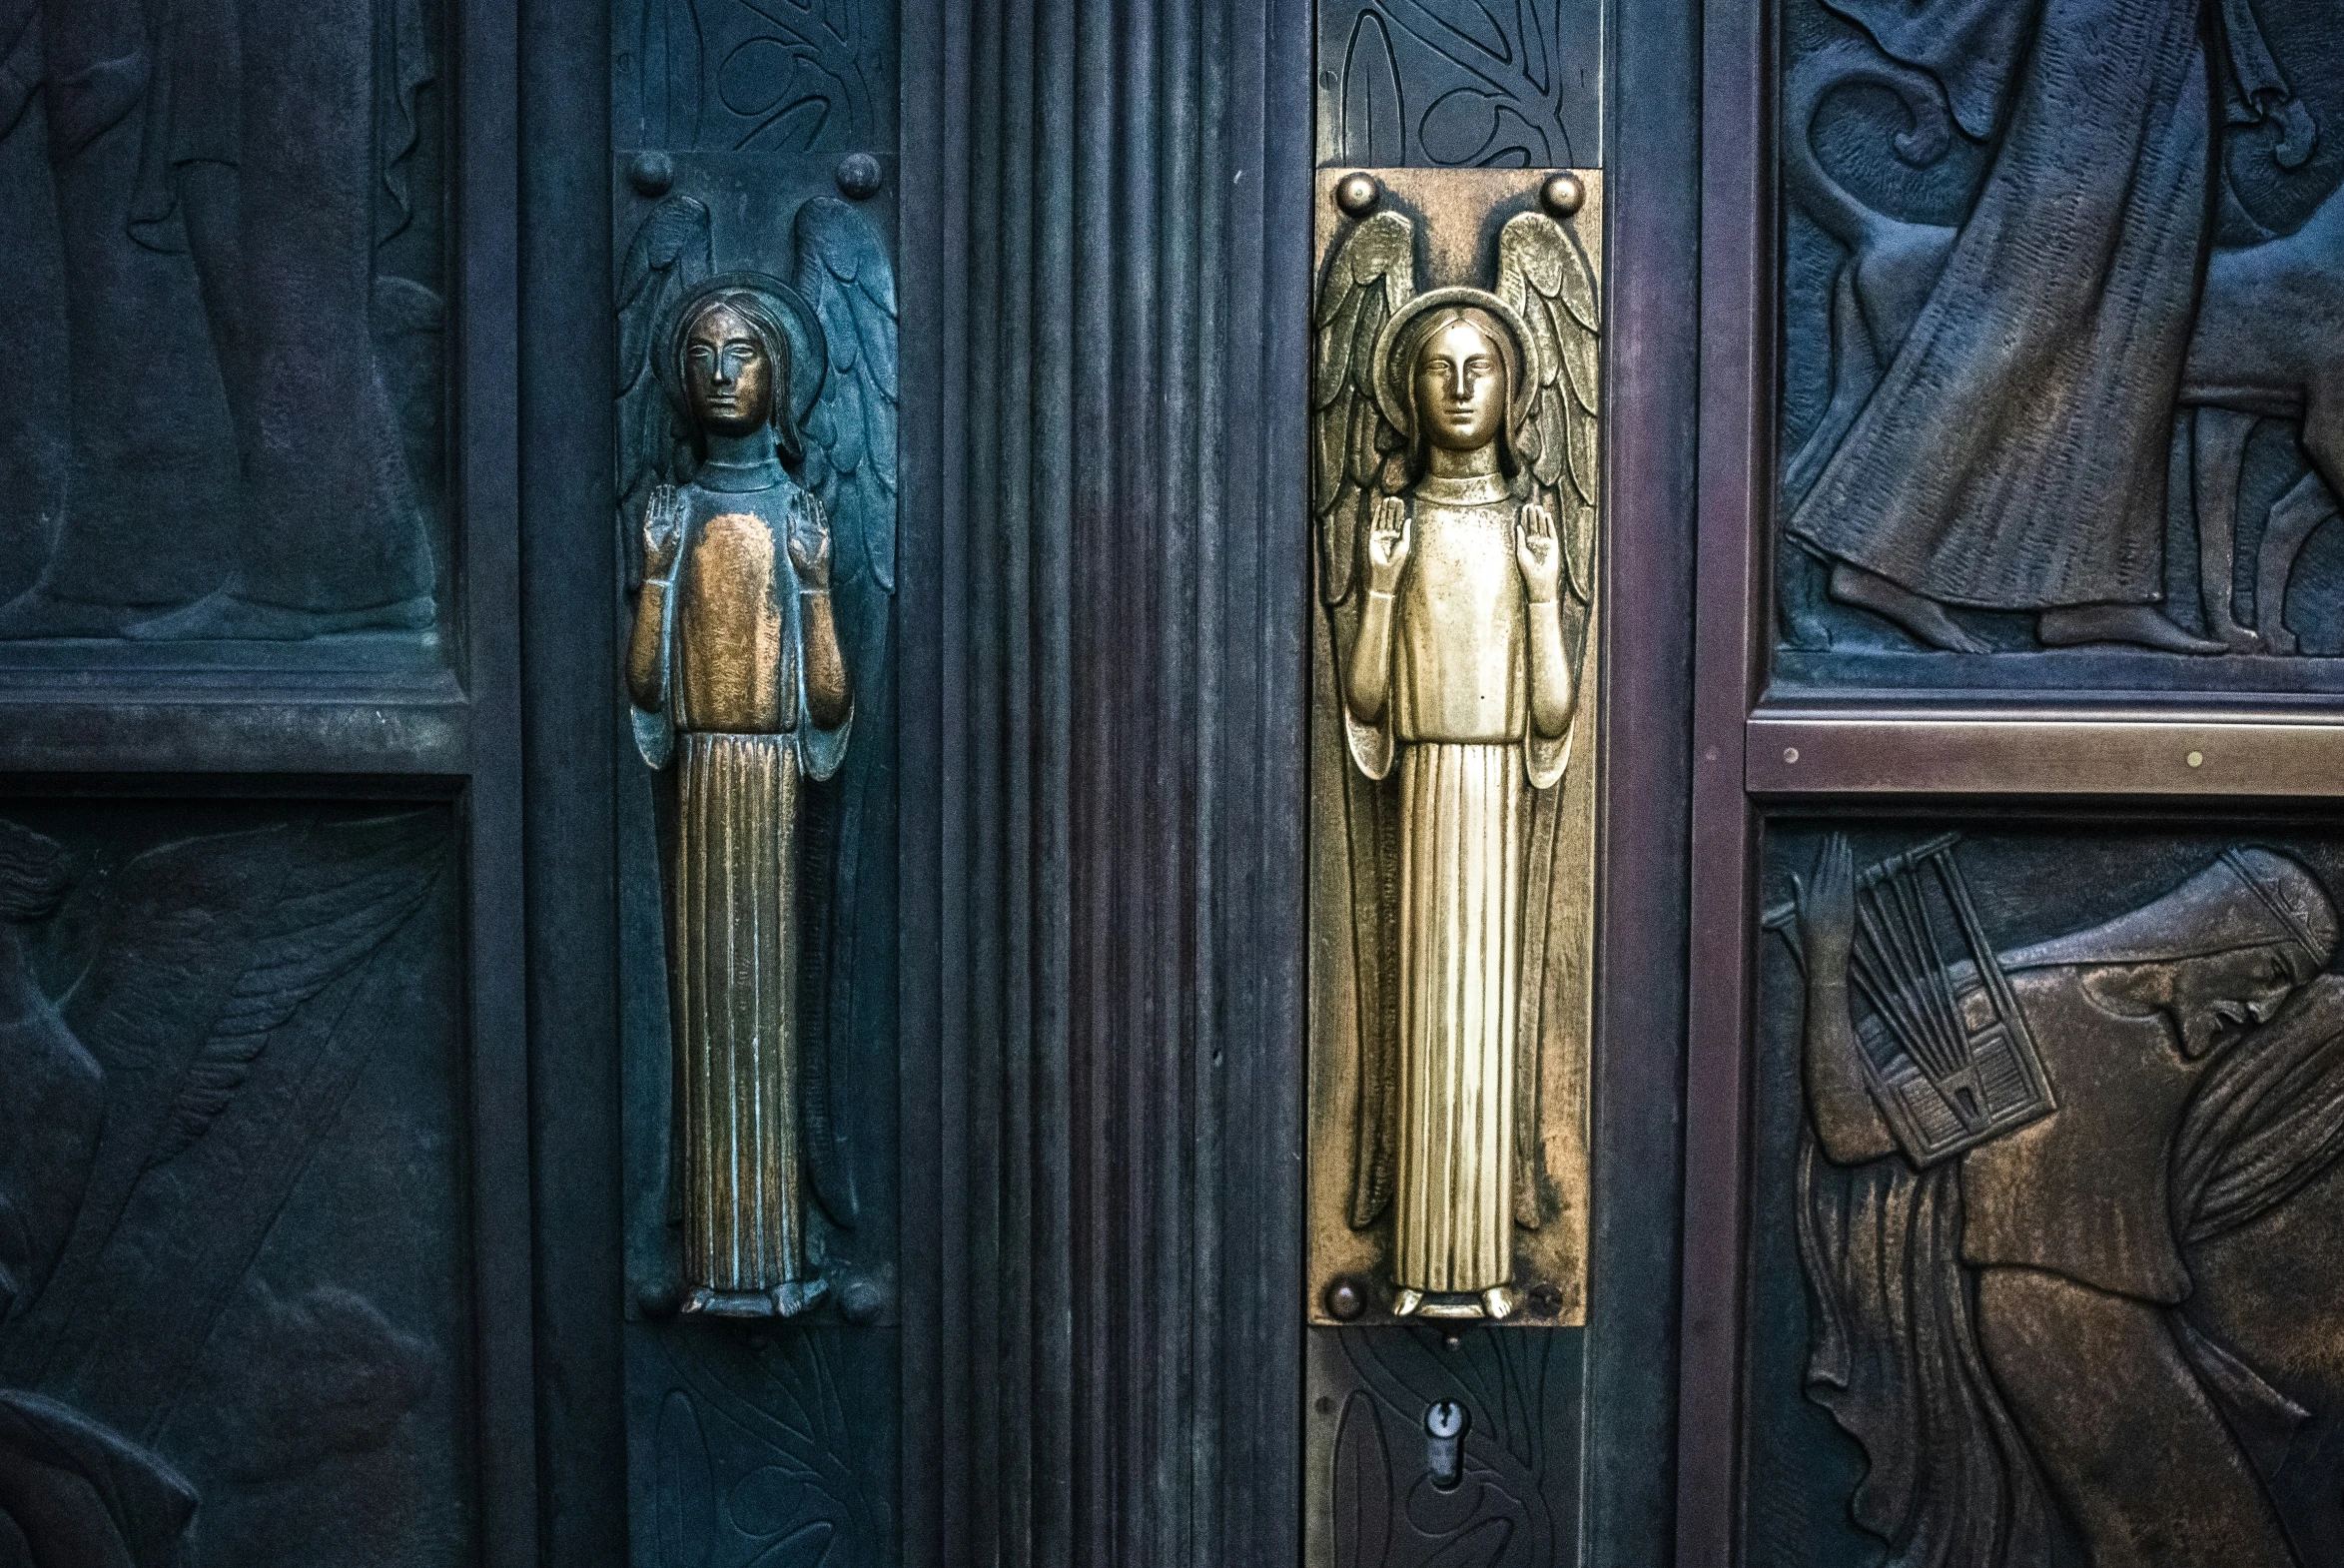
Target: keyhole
column 1444, row 1444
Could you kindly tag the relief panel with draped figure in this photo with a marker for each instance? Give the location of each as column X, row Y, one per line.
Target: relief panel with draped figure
column 2049, row 1172
column 2063, row 344
column 222, row 386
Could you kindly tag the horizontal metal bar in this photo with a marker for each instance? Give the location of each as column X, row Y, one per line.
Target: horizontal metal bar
column 76, row 735
column 2044, row 754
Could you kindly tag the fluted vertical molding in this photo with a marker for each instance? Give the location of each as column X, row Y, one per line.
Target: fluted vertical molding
column 1105, row 220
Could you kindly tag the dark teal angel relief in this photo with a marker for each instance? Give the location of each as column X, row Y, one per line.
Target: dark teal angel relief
column 756, row 457
column 2041, row 1151
column 2064, row 323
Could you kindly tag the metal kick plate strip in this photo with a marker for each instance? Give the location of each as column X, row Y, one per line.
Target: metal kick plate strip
column 2166, row 755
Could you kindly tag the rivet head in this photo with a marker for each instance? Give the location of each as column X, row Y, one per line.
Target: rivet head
column 2196, row 759
column 1563, row 194
column 858, row 176
column 1789, row 754
column 1357, row 193
column 861, row 1299
column 651, row 173
column 660, row 1302
column 1345, row 1301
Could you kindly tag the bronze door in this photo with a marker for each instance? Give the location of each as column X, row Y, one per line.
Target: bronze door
column 2008, row 1153
column 783, row 776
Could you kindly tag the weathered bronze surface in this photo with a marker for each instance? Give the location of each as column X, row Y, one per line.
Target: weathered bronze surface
column 258, row 200
column 2055, row 1326
column 2039, row 752
column 738, row 680
column 1456, row 502
column 2064, row 325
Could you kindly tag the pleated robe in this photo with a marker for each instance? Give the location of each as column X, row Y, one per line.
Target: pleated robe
column 2014, row 456
column 743, row 742
column 1459, row 718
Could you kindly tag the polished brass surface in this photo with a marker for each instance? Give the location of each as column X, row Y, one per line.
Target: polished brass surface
column 1564, row 193
column 1357, row 193
column 1454, row 799
column 736, row 675
column 731, row 664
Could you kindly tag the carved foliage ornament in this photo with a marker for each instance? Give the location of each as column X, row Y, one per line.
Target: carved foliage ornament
column 1455, row 494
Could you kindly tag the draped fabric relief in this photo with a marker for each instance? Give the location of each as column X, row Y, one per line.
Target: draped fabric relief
column 1900, row 1414
column 224, row 404
column 757, row 875
column 2061, row 312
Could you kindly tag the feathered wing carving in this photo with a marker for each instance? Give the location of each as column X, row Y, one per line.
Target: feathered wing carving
column 207, row 952
column 212, row 942
column 1544, row 275
column 329, row 917
column 1357, row 456
column 844, row 273
column 1543, row 272
column 670, row 254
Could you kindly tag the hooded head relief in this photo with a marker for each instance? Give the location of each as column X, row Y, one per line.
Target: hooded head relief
column 2249, row 898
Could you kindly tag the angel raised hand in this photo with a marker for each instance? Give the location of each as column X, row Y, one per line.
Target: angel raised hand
column 1456, row 436
column 742, row 672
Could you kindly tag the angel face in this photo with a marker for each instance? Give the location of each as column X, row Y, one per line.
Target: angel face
column 1459, row 381
column 728, row 371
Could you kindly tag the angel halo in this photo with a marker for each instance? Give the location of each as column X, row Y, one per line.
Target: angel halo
column 1401, row 342
column 788, row 330
column 1454, row 490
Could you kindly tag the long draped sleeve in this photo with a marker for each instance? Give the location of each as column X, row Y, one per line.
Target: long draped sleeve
column 821, row 752
column 655, row 727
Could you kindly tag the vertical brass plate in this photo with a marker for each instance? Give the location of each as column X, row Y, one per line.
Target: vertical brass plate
column 1458, row 218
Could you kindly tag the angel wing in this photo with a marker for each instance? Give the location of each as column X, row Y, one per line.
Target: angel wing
column 1543, row 272
column 1546, row 278
column 212, row 942
column 844, row 273
column 207, row 949
column 1355, row 456
column 671, row 253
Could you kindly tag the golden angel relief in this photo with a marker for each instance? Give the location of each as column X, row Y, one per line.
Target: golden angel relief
column 1456, row 500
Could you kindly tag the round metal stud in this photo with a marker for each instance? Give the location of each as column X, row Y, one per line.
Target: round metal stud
column 861, row 1299
column 1357, row 193
column 1563, row 194
column 1345, row 1301
column 659, row 1302
column 651, row 173
column 858, row 176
